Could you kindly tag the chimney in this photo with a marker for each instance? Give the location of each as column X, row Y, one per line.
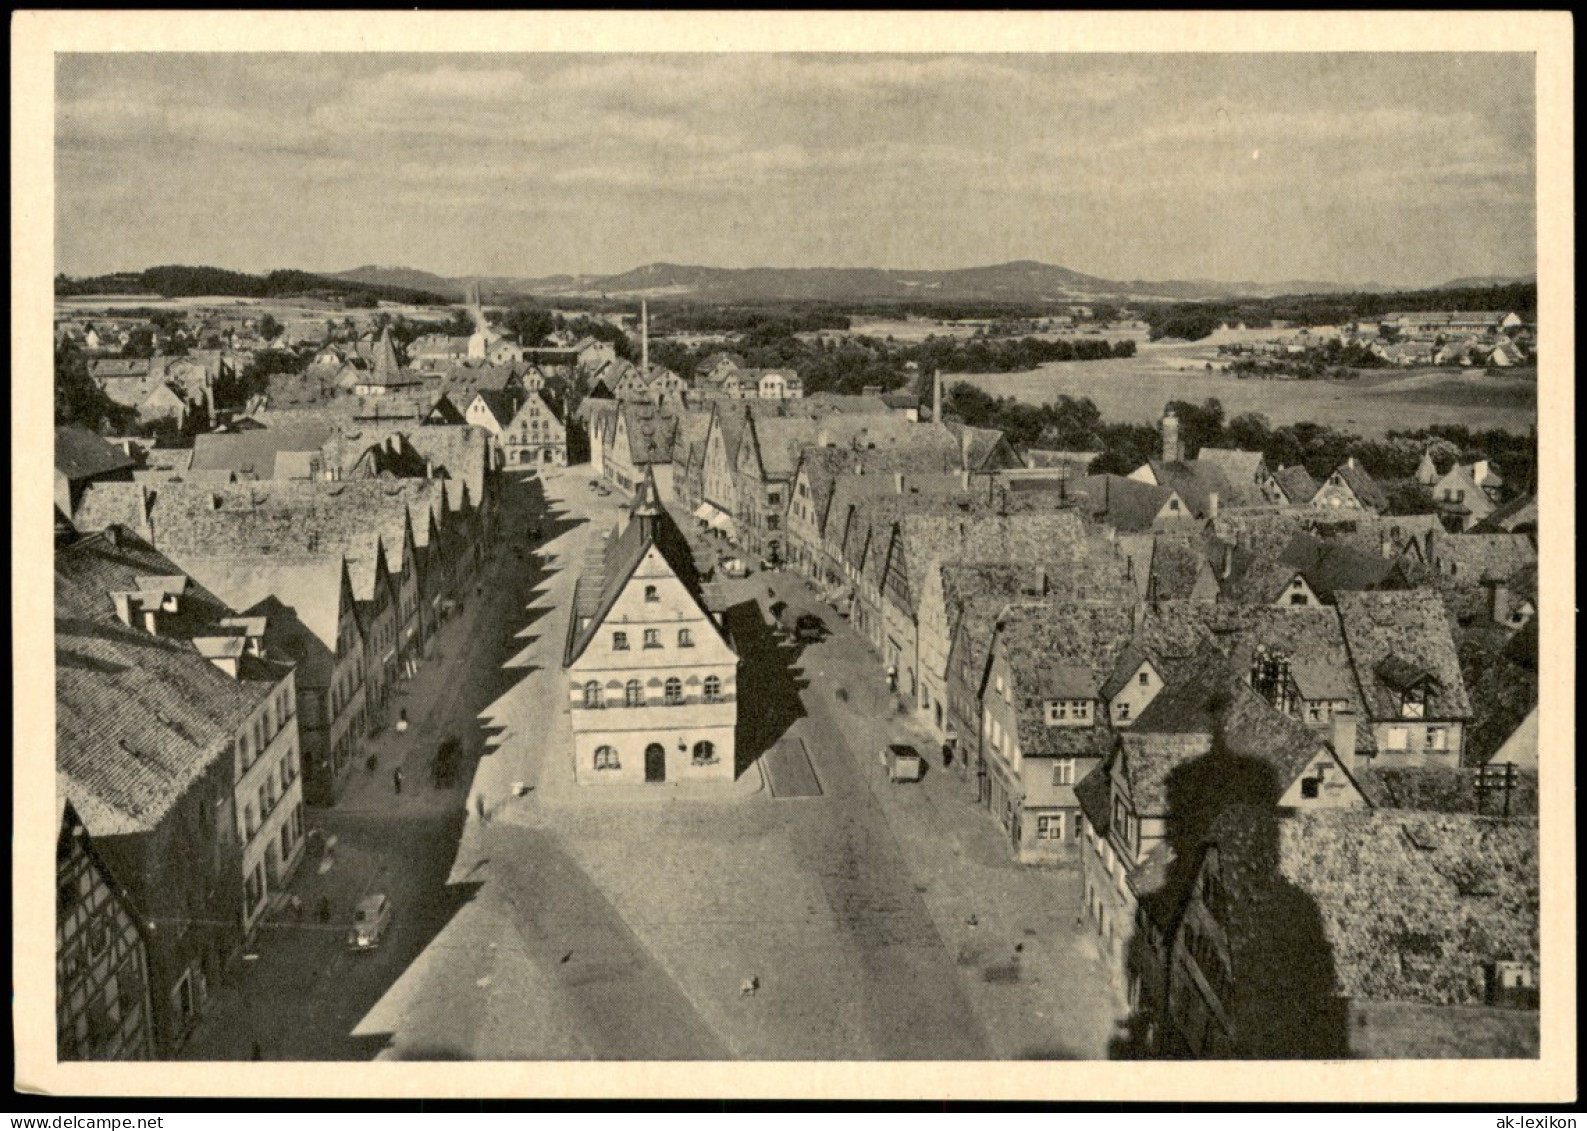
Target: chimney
column 898, row 482
column 1212, row 504
column 1350, row 462
column 1386, row 545
column 1172, row 450
column 1344, row 738
column 936, row 396
column 1138, row 616
column 1228, row 563
column 964, row 479
column 1479, row 471
column 429, row 469
column 644, row 340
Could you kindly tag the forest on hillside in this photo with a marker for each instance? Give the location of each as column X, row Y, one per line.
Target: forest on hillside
column 190, row 282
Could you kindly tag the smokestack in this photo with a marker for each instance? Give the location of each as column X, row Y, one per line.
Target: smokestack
column 1500, row 604
column 1344, row 738
column 964, row 479
column 936, row 396
column 1228, row 563
column 644, row 340
column 1212, row 504
column 1172, row 451
column 898, row 482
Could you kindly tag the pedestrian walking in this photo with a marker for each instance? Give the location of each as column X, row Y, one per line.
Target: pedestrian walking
column 396, row 780
column 892, row 678
column 402, row 721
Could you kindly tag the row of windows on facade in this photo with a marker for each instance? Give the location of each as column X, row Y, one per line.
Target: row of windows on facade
column 109, row 1013
column 271, row 722
column 671, row 692
column 291, row 833
column 268, row 796
column 703, row 754
column 652, row 637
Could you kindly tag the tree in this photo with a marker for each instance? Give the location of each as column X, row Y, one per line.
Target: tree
column 78, row 399
column 269, row 328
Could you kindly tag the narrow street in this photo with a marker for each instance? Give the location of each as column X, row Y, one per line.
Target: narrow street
column 881, row 921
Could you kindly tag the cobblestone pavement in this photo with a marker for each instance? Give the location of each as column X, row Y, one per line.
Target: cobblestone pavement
column 625, row 922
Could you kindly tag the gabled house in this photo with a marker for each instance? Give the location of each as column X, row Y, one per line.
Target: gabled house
column 1467, row 494
column 1409, row 674
column 1130, row 506
column 1207, row 742
column 1043, row 718
column 81, row 460
column 535, row 436
column 1294, row 486
column 652, row 674
column 102, row 1007
column 1350, row 487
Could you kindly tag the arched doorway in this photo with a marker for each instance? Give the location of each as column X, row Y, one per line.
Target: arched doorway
column 525, row 455
column 655, row 762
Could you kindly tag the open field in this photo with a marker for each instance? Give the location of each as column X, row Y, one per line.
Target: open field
column 1136, row 389
column 85, row 306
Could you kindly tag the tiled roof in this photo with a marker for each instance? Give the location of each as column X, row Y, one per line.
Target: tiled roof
column 1211, row 713
column 1479, row 557
column 1196, row 482
column 650, row 432
column 138, row 718
column 80, row 454
column 1239, row 469
column 1443, row 789
column 1362, row 485
column 1312, row 639
column 306, row 588
column 1177, row 566
column 979, row 445
column 1127, row 505
column 602, row 581
column 1411, row 906
column 1517, row 512
column 1079, row 462
column 1055, row 645
column 255, row 452
column 1296, row 483
column 1411, row 625
column 114, row 504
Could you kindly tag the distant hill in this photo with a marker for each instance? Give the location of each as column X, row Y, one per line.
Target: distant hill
column 181, row 282
column 1474, row 281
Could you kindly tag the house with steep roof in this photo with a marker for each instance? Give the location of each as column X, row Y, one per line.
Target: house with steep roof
column 102, row 1009
column 1043, row 724
column 1294, row 486
column 1408, row 671
column 1467, row 494
column 1518, row 516
column 313, row 621
column 535, row 436
column 83, row 459
column 385, row 375
column 1351, row 488
column 1205, row 743
column 641, row 438
column 1376, row 934
column 177, row 743
column 1129, row 505
column 652, row 673
column 1475, row 559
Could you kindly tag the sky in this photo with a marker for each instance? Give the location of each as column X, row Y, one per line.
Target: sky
column 1405, row 169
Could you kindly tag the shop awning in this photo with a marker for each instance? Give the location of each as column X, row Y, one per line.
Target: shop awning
column 703, row 512
column 722, row 522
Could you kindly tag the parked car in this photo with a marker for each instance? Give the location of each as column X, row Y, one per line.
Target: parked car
column 370, row 920
column 734, row 567
column 903, row 763
column 808, row 628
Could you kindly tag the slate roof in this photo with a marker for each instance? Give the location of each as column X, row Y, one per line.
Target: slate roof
column 1412, row 905
column 1413, row 626
column 1296, row 483
column 80, row 454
